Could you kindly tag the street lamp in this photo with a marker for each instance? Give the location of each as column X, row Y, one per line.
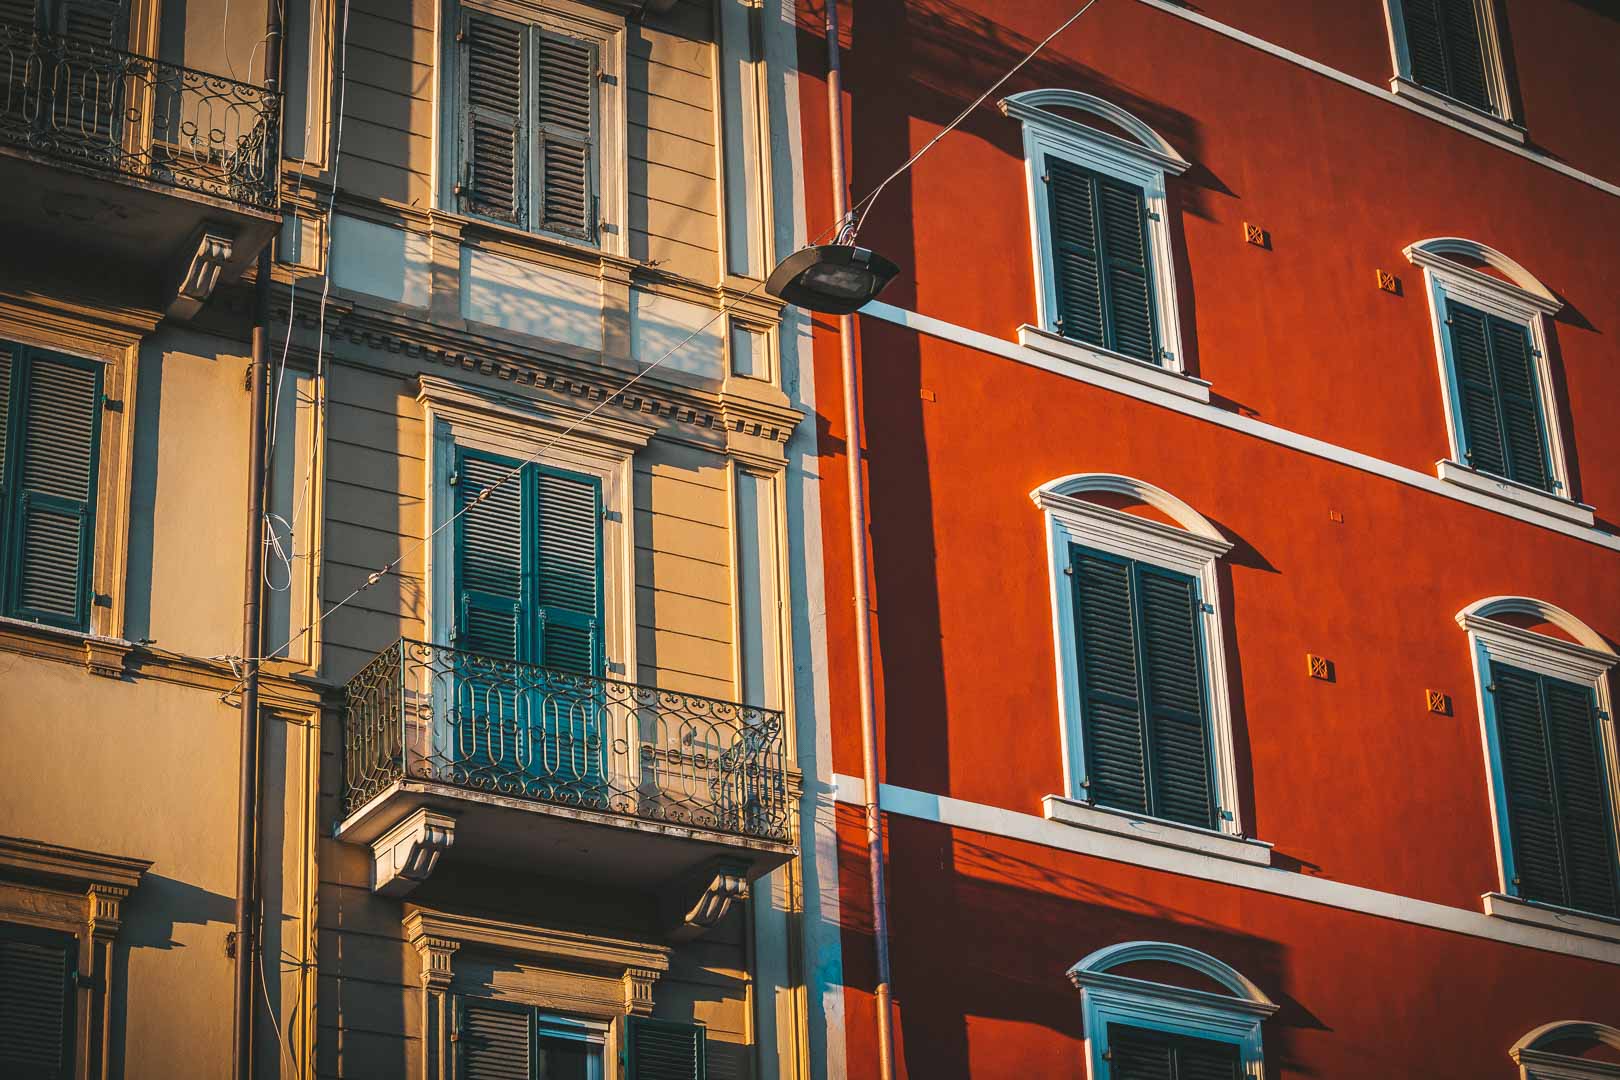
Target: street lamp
column 835, row 279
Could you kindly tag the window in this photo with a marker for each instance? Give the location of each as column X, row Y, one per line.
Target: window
column 38, row 970
column 1491, row 343
column 535, row 118
column 1145, row 717
column 1550, row 751
column 50, row 417
column 1447, row 54
column 502, row 1040
column 1139, row 1029
column 1102, row 240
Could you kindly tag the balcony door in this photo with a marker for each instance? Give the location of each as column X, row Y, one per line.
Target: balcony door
column 529, row 718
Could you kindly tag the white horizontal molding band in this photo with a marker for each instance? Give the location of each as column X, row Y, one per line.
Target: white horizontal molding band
column 974, row 339
column 1028, row 828
column 1172, row 8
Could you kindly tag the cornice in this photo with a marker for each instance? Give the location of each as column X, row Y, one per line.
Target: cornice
column 77, row 869
column 586, row 950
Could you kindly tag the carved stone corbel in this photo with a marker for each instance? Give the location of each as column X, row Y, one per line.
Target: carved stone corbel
column 638, row 988
column 201, row 274
column 717, row 887
column 404, row 856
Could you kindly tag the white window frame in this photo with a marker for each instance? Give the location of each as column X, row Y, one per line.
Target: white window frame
column 1110, row 998
column 517, row 428
column 1500, row 120
column 1193, row 549
column 610, row 165
column 1144, row 160
column 1584, row 662
column 1537, row 1062
column 1524, row 300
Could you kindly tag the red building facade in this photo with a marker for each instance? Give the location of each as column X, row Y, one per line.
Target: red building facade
column 1242, row 485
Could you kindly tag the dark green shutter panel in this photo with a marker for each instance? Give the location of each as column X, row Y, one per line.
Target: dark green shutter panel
column 566, row 77
column 1476, row 389
column 493, row 154
column 490, row 543
column 8, row 364
column 1173, row 677
column 1443, row 45
column 18, row 13
column 1077, row 272
column 1522, row 427
column 36, row 1003
column 494, row 1041
column 1583, row 797
column 1111, row 708
column 1125, row 260
column 568, row 572
column 55, row 488
column 1527, row 774
column 1142, row 1054
column 663, row 1050
column 98, row 22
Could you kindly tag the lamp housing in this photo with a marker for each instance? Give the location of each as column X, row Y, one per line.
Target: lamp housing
column 835, row 279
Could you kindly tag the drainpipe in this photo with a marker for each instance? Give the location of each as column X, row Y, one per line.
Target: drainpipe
column 247, row 813
column 857, row 549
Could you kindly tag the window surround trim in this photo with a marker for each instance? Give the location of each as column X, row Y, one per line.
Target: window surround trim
column 1523, row 300
column 600, row 446
column 1193, row 549
column 608, row 31
column 1584, row 664
column 1501, row 119
column 1109, row 998
column 1552, row 916
column 1144, row 161
column 1536, row 1062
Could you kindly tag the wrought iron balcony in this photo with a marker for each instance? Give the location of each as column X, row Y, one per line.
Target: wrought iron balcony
column 165, row 178
column 104, row 109
column 463, row 734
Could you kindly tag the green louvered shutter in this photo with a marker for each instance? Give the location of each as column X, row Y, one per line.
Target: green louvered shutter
column 493, row 1039
column 36, row 1003
column 568, row 571
column 664, row 1050
column 1584, row 814
column 52, row 479
column 1100, row 260
column 10, row 362
column 1173, row 678
column 1476, row 389
column 1143, row 1054
column 564, row 125
column 1559, row 824
column 490, row 542
column 493, row 148
column 1523, row 431
column 1443, row 44
column 1110, row 705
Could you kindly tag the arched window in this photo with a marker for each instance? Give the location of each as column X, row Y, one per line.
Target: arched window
column 1550, row 755
column 1140, row 662
column 1550, row 1051
column 1138, row 1027
column 1490, row 336
column 1106, row 295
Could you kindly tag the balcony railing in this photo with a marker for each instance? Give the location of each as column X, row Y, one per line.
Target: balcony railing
column 429, row 713
column 108, row 110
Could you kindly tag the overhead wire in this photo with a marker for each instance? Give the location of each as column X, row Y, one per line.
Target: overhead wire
column 850, row 226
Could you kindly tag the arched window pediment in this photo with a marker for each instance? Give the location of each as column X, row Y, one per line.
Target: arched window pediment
column 1538, row 1060
column 1035, row 106
column 1442, row 254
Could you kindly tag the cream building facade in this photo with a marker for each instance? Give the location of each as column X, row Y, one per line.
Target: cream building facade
column 537, row 676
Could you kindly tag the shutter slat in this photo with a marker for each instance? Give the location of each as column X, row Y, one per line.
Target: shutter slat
column 36, row 1002
column 494, row 1041
column 1077, row 275
column 664, row 1050
column 1111, row 711
column 492, row 134
column 1583, row 797
column 1425, row 46
column 565, row 102
column 1173, row 679
column 1527, row 774
column 1514, row 368
column 568, row 570
column 1465, row 61
column 1130, row 296
column 489, row 556
column 1476, row 387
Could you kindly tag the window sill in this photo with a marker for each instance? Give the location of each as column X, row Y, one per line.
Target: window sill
column 1113, row 363
column 1454, row 472
column 1513, row 909
column 1490, row 123
column 100, row 655
column 1164, row 833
